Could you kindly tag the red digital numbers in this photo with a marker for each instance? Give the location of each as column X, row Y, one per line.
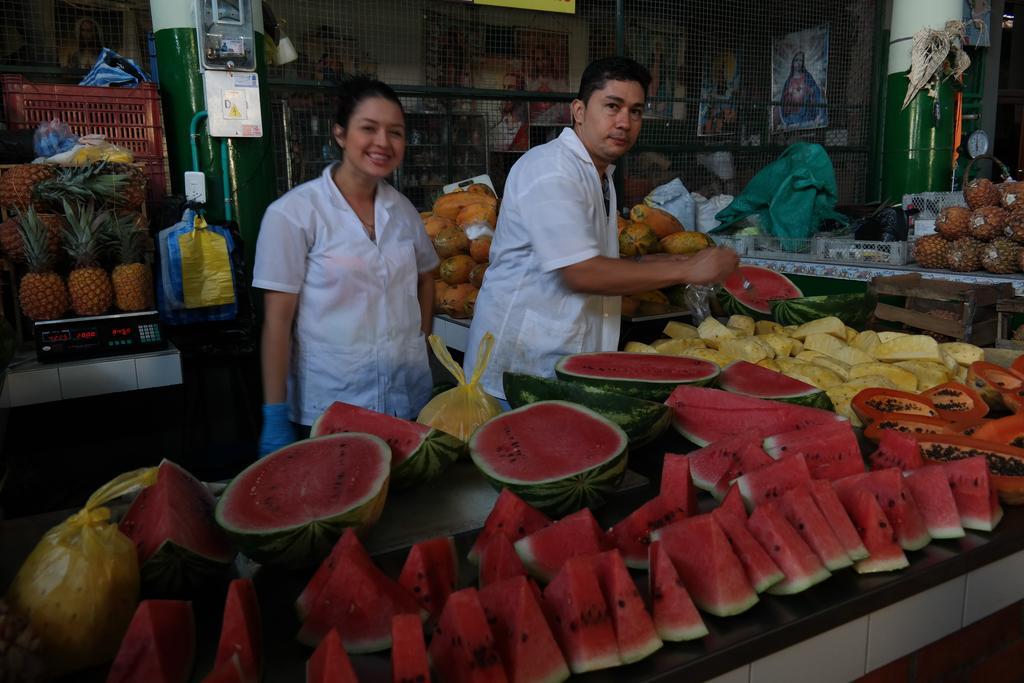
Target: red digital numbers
column 85, row 334
column 121, row 332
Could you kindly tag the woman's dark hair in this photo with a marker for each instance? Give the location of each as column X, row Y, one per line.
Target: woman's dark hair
column 599, row 72
column 354, row 89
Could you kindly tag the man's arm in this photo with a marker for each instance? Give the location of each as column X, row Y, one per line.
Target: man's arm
column 617, row 277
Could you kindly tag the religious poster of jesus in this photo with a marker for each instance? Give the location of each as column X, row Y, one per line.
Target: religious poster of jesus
column 799, row 80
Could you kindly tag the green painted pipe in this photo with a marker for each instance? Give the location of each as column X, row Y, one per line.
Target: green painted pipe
column 917, row 151
column 193, row 134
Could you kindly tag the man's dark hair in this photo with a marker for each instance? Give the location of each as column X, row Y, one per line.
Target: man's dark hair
column 599, row 72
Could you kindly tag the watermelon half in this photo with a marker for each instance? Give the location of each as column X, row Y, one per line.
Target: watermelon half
column 556, row 456
column 419, row 452
column 290, row 507
column 643, row 421
column 854, row 309
column 741, row 377
column 649, row 376
column 762, row 287
column 171, row 523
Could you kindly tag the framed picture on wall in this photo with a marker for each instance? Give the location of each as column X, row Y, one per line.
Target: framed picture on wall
column 720, row 84
column 661, row 50
column 799, row 80
column 545, row 62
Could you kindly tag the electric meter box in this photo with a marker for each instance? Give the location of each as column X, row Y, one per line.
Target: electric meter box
column 227, row 54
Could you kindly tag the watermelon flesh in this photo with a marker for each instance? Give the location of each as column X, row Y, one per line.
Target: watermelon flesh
column 499, row 561
column 582, row 623
column 330, row 662
column 976, row 498
column 676, row 484
column 771, row 481
column 408, row 649
column 556, row 456
column 838, row 520
column 159, row 646
column 419, row 452
column 705, row 415
column 359, row 601
column 801, row 566
column 748, row 379
column 896, row 502
column 935, row 500
column 896, row 449
column 715, row 466
column 632, row 535
column 831, row 451
column 510, row 516
column 463, row 647
column 349, row 548
column 634, row 630
column 714, row 577
column 241, row 634
column 545, row 551
column 171, row 523
column 762, row 572
column 884, row 554
column 290, row 507
column 524, row 640
column 803, row 514
column 749, row 290
column 648, row 376
column 672, row 610
column 733, row 504
column 430, row 573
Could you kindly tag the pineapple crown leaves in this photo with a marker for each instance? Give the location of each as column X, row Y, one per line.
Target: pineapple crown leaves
column 124, row 238
column 82, row 184
column 35, row 240
column 84, row 237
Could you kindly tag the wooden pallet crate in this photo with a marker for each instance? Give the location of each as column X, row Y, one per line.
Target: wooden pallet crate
column 969, row 309
column 1006, row 309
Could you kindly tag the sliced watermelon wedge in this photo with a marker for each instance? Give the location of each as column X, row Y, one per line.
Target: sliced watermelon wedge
column 676, row 484
column 714, row 577
column 545, row 551
column 831, row 450
column 512, row 611
column 771, row 481
column 241, row 635
column 430, row 573
column 409, row 660
column 510, row 516
column 838, row 519
column 499, row 561
column 634, row 630
column 976, row 498
column 896, row 449
column 159, row 645
column 674, row 614
column 348, row 547
column 896, row 502
column 330, row 662
column 713, row 467
column 463, row 647
column 762, row 572
column 885, row 554
column 797, row 561
column 934, row 498
column 742, row 377
column 632, row 535
column 803, row 514
column 582, row 624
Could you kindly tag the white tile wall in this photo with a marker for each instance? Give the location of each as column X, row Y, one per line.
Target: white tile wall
column 993, row 587
column 910, row 624
column 835, row 656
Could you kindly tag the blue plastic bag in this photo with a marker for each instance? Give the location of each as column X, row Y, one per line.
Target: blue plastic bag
column 170, row 288
column 113, row 70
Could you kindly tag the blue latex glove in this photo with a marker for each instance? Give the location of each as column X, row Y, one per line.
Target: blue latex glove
column 278, row 431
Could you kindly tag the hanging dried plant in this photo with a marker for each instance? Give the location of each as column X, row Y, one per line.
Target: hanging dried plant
column 935, row 56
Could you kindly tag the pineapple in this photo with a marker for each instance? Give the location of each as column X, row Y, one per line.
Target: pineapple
column 82, row 185
column 133, row 191
column 1001, row 256
column 133, row 282
column 41, row 292
column 988, row 222
column 10, row 235
column 981, row 192
column 931, row 251
column 18, row 182
column 1015, row 225
column 964, row 255
column 953, row 222
column 1011, row 195
column 89, row 285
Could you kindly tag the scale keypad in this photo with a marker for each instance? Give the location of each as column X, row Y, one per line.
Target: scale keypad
column 149, row 333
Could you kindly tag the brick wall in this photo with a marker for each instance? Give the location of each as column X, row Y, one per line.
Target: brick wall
column 987, row 651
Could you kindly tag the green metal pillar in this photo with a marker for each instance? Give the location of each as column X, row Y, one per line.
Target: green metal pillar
column 917, row 148
column 250, row 160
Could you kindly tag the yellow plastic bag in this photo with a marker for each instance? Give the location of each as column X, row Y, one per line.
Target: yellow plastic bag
column 93, row 148
column 80, row 585
column 205, row 267
column 461, row 410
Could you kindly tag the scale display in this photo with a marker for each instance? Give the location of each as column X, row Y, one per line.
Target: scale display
column 93, row 337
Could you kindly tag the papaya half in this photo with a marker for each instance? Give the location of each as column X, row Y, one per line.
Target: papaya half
column 879, row 402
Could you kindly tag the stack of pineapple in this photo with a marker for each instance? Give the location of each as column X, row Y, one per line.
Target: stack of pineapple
column 824, row 353
column 988, row 233
column 77, row 220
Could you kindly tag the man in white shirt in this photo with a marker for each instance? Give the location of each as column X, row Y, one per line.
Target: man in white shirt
column 555, row 279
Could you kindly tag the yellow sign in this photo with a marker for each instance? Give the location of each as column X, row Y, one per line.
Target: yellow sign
column 565, row 6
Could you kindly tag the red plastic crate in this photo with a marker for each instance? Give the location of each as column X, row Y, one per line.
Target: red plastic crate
column 129, row 117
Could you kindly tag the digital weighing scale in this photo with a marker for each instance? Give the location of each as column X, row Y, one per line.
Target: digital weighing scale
column 102, row 335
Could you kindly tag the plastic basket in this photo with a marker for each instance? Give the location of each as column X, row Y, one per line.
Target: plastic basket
column 929, row 204
column 129, row 117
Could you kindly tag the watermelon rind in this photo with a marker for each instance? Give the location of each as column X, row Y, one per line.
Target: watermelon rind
column 642, row 420
column 651, row 389
column 853, row 309
column 435, row 453
column 310, row 541
column 737, row 301
column 588, row 487
column 174, row 570
column 812, row 396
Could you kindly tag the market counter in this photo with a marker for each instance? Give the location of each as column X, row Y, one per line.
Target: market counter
column 835, row 631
